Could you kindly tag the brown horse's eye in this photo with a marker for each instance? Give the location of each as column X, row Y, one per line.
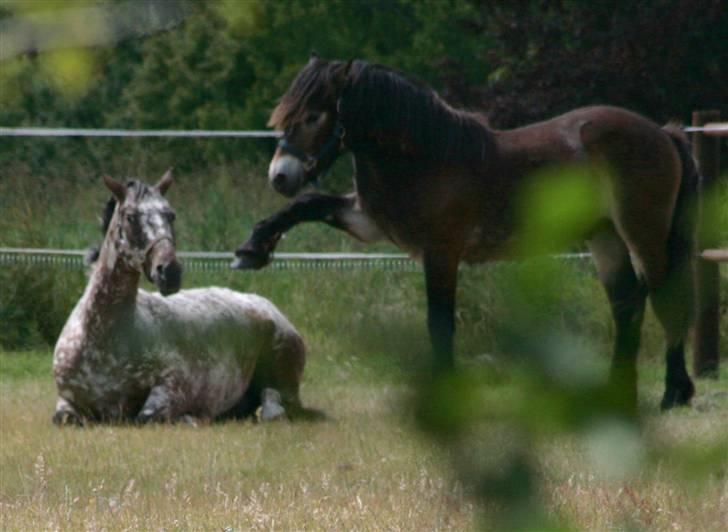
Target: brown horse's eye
column 312, row 118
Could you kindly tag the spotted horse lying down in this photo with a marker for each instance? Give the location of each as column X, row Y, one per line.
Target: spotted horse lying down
column 126, row 354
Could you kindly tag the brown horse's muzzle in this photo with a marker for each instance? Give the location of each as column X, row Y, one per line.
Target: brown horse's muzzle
column 286, row 174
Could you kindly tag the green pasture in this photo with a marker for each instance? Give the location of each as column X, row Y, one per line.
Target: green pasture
column 372, row 466
column 369, row 468
column 216, row 212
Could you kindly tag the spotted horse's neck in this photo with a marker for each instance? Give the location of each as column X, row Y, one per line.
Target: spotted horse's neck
column 110, row 296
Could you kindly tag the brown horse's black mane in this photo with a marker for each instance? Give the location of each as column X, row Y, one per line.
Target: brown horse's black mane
column 386, row 105
column 382, row 105
column 315, row 88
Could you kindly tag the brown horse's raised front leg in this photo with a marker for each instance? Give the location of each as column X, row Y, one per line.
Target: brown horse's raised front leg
column 441, row 272
column 255, row 252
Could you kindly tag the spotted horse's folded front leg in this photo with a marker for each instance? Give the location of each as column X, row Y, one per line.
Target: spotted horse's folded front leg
column 66, row 414
column 271, row 406
column 164, row 405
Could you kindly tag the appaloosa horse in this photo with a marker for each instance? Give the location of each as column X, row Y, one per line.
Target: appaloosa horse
column 442, row 185
column 128, row 354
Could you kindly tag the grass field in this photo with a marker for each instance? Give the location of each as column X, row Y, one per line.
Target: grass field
column 367, row 469
column 372, row 467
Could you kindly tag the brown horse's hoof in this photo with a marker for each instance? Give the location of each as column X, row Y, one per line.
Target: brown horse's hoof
column 678, row 395
column 249, row 260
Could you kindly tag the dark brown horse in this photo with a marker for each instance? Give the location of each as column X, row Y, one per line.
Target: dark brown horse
column 443, row 186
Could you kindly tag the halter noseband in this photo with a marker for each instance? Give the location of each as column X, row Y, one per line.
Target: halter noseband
column 332, row 145
column 154, row 243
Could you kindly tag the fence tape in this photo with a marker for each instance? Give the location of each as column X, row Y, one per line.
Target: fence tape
column 80, row 132
column 218, row 261
column 718, row 129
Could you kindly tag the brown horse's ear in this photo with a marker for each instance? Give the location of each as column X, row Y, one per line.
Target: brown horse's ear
column 116, row 188
column 165, row 182
column 342, row 76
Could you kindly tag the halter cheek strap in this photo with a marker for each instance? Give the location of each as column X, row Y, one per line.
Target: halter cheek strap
column 308, row 161
column 331, row 147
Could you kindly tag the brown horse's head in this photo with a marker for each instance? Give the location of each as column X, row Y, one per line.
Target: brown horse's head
column 143, row 231
column 307, row 115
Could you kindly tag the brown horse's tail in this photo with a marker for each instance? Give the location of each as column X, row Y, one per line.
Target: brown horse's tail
column 686, row 209
column 682, row 238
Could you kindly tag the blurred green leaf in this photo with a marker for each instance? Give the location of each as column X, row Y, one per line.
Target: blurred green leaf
column 615, row 448
column 557, row 208
column 70, row 71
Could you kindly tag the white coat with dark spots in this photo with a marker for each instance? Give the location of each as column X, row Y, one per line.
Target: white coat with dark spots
column 126, row 354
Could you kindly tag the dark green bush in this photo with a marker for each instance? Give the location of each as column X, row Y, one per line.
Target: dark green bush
column 35, row 301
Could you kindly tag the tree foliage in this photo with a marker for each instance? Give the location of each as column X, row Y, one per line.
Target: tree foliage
column 226, row 63
column 663, row 58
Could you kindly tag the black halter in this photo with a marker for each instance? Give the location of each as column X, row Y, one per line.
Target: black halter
column 333, row 146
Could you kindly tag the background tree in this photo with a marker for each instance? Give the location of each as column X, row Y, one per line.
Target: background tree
column 223, row 64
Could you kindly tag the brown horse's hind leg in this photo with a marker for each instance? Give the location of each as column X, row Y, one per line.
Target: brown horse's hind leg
column 668, row 273
column 672, row 302
column 652, row 181
column 627, row 295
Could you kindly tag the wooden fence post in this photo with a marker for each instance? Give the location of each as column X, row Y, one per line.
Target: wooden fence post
column 706, row 151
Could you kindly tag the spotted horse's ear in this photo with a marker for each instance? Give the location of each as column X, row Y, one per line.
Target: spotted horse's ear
column 165, row 182
column 116, row 188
